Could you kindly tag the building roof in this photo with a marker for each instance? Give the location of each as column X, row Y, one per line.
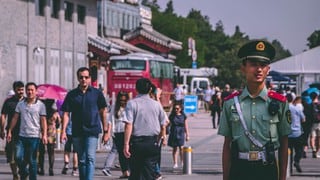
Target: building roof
column 154, row 36
column 127, row 46
column 104, row 44
column 307, row 62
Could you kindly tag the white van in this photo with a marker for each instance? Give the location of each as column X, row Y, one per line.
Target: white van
column 200, row 83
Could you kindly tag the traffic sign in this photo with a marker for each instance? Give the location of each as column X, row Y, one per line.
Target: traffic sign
column 194, row 64
column 190, row 104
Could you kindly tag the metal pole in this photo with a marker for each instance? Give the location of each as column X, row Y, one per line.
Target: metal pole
column 187, row 160
column 58, row 138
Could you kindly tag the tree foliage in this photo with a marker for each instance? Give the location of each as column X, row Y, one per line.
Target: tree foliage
column 314, row 39
column 214, row 47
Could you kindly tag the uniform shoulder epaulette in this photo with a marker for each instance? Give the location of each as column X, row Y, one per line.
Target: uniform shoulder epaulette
column 276, row 96
column 232, row 95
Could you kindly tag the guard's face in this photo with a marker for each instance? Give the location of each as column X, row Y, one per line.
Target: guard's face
column 255, row 72
column 84, row 78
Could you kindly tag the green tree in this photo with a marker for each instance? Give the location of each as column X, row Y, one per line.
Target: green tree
column 281, row 53
column 314, row 39
column 214, row 47
column 169, row 9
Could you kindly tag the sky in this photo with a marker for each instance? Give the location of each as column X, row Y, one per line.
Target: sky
column 289, row 21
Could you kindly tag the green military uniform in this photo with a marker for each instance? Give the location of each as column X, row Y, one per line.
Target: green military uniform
column 266, row 116
column 257, row 118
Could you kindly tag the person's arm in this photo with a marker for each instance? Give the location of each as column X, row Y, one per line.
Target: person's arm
column 3, row 121
column 226, row 158
column 64, row 124
column 302, row 116
column 163, row 134
column 127, row 135
column 12, row 125
column 44, row 127
column 283, row 157
column 106, row 127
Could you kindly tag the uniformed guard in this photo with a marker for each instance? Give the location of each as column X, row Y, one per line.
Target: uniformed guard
column 255, row 122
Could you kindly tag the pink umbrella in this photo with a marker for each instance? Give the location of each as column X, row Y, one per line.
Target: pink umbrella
column 51, row 91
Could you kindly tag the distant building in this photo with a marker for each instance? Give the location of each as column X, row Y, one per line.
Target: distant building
column 124, row 27
column 128, row 22
column 44, row 41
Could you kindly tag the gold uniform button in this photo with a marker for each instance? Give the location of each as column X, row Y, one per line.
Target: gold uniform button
column 253, row 117
column 253, row 131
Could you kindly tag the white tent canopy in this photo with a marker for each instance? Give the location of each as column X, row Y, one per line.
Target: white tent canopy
column 305, row 67
column 306, row 62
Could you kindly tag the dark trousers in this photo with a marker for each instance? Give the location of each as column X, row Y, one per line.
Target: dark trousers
column 144, row 156
column 119, row 141
column 295, row 144
column 253, row 170
column 213, row 114
column 42, row 150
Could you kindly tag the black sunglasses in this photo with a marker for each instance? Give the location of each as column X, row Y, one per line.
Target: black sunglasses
column 84, row 77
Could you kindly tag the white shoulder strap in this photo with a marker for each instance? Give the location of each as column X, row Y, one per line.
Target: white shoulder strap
column 246, row 131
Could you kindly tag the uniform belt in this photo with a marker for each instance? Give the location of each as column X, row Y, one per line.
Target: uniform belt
column 251, row 155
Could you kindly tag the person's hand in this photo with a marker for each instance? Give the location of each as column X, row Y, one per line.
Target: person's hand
column 187, row 138
column 164, row 141
column 63, row 137
column 2, row 134
column 9, row 136
column 105, row 138
column 44, row 140
column 126, row 150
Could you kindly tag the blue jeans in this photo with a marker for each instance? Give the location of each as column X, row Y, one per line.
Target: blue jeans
column 111, row 157
column 86, row 149
column 26, row 153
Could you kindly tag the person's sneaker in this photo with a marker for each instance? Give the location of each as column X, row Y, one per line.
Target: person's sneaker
column 158, row 177
column 75, row 173
column 16, row 177
column 51, row 172
column 175, row 166
column 314, row 154
column 64, row 170
column 106, row 172
column 117, row 166
column 298, row 168
column 40, row 171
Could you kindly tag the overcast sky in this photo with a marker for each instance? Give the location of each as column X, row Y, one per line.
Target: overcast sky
column 289, row 21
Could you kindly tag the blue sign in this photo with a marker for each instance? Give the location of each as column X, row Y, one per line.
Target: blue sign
column 194, row 64
column 190, row 104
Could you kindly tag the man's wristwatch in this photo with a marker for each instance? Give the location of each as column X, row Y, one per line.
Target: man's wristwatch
column 105, row 132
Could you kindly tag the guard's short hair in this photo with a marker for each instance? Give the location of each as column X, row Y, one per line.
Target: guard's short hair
column 143, row 86
column 17, row 84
